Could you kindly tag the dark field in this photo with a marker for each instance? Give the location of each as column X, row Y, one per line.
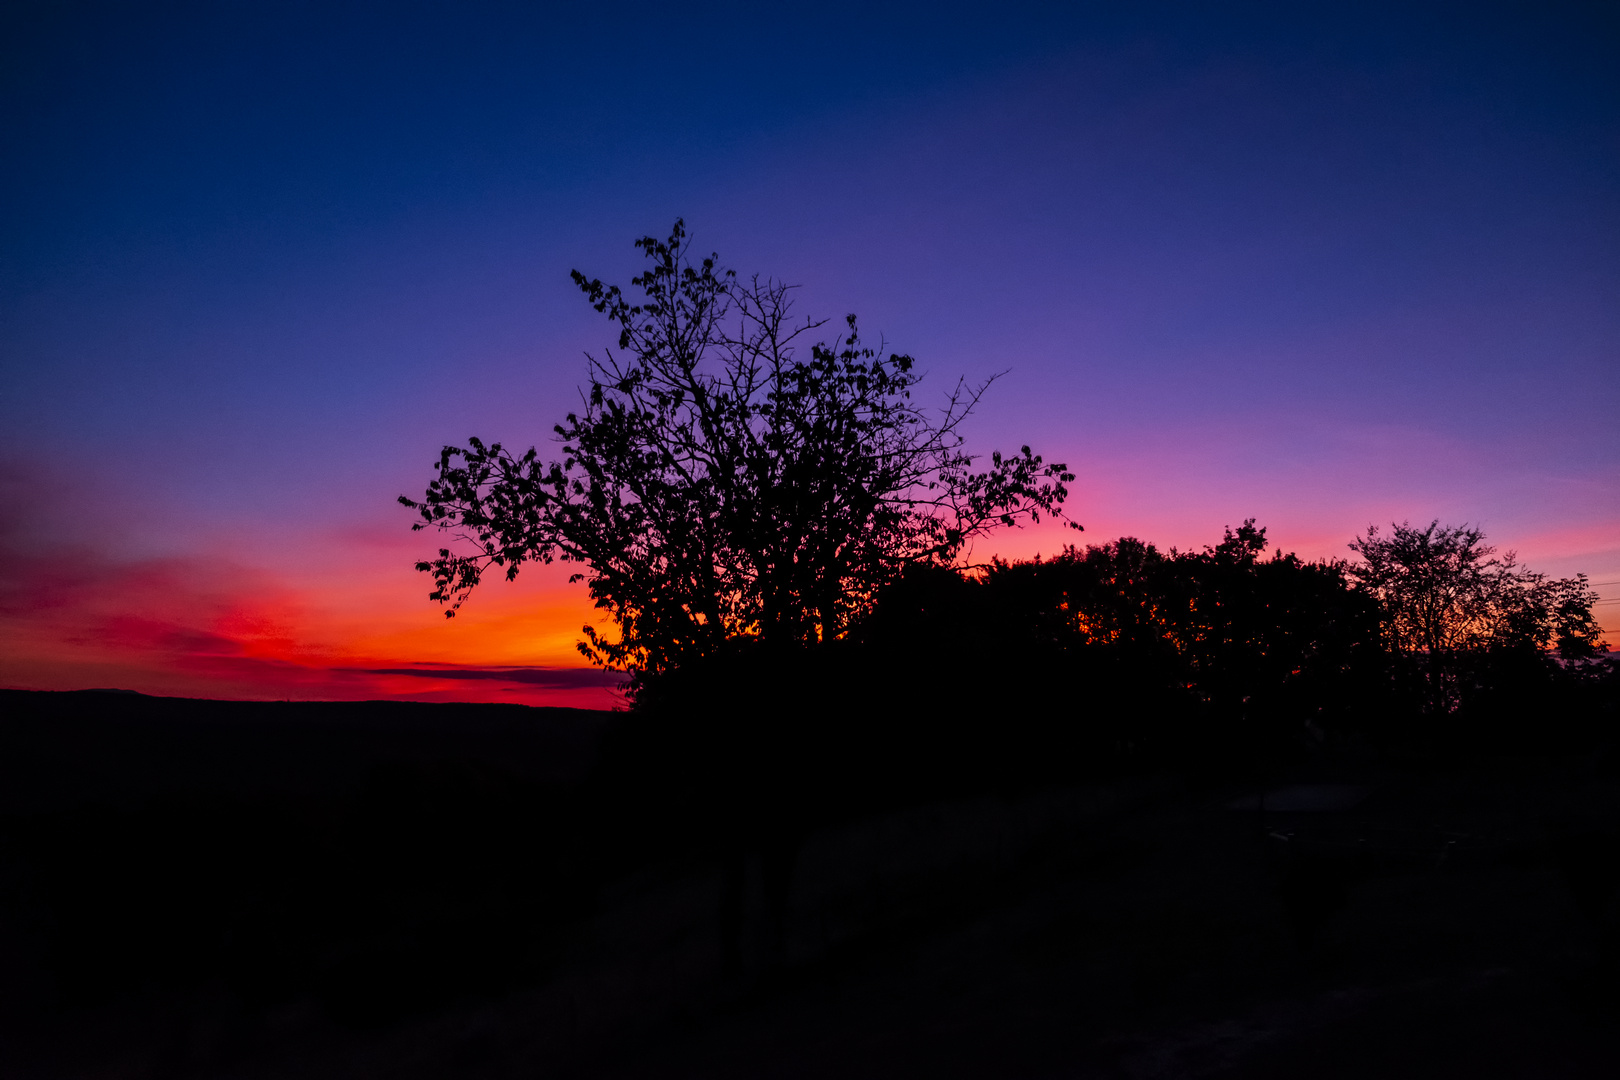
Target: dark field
column 202, row 889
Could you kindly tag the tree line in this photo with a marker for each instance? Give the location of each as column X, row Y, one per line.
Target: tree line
column 776, row 527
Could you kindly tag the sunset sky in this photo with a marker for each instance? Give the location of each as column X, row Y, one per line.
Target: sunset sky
column 1323, row 266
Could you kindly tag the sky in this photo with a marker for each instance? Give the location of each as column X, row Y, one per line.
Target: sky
column 1323, row 266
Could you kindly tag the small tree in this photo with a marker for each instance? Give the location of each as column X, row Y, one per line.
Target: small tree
column 1446, row 598
column 723, row 482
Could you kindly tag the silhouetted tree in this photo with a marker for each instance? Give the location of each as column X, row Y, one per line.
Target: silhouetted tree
column 726, row 481
column 1275, row 648
column 1120, row 652
column 736, row 497
column 1449, row 602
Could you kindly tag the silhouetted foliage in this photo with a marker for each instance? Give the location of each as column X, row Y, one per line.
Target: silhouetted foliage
column 1461, row 618
column 726, row 479
column 776, row 529
column 1120, row 653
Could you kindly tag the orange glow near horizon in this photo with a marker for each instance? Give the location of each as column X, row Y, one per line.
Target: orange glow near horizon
column 208, row 627
column 218, row 626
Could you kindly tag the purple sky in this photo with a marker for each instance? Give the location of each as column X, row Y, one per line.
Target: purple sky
column 1322, row 268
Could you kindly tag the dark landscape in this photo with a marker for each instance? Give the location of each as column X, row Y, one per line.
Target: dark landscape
column 197, row 888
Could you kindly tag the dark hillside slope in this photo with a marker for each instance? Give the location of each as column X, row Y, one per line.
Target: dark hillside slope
column 381, row 857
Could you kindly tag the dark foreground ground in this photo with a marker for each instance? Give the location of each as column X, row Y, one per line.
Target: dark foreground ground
column 203, row 890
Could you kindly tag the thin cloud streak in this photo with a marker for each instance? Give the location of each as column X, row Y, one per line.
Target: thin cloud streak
column 558, row 678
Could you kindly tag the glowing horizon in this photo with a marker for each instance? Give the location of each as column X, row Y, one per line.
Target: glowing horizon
column 207, row 627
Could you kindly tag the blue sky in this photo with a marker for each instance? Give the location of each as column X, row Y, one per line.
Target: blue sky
column 1324, row 267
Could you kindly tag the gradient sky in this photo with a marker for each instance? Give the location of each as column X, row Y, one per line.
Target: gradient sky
column 1320, row 267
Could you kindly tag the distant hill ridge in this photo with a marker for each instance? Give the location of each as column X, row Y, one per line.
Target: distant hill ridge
column 62, row 749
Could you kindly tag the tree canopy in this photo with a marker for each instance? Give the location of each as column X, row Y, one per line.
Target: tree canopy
column 727, row 477
column 1446, row 597
column 1444, row 591
column 1116, row 650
